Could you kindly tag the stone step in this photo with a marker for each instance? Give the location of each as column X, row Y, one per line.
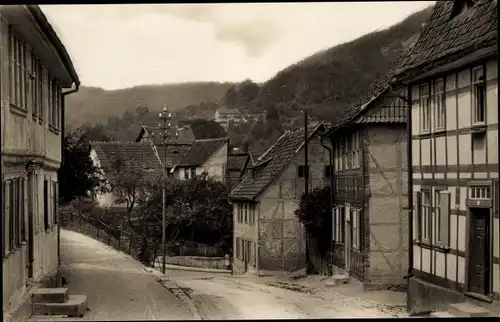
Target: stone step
column 441, row 315
column 467, row 309
column 49, row 295
column 75, row 306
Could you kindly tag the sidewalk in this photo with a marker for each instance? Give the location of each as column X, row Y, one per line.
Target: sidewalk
column 117, row 286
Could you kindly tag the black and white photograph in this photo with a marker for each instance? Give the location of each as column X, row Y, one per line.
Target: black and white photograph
column 234, row 161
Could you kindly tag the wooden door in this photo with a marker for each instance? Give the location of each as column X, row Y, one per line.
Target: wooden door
column 479, row 252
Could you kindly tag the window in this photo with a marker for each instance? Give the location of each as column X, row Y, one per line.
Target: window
column 479, row 193
column 5, row 219
column 301, row 171
column 328, row 171
column 254, row 254
column 240, row 212
column 356, row 228
column 347, row 152
column 13, row 214
column 425, row 116
column 35, row 92
column 339, row 221
column 439, row 104
column 339, row 155
column 18, row 72
column 46, row 204
column 12, row 211
column 479, row 92
column 50, row 100
column 356, row 161
column 193, row 172
column 245, row 207
column 41, row 91
column 54, row 101
column 425, row 213
column 437, row 213
column 186, row 173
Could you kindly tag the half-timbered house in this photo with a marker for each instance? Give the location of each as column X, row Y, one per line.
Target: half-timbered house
column 268, row 237
column 369, row 195
column 451, row 76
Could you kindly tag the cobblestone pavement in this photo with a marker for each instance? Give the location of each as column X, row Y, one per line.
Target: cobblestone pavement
column 219, row 296
column 117, row 286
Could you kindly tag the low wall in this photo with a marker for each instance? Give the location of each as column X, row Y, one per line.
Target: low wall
column 196, row 261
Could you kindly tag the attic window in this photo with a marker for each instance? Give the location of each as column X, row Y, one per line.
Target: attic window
column 301, row 171
column 175, row 151
column 460, row 7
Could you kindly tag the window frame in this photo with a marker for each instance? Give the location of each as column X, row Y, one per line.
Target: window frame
column 436, row 213
column 46, row 222
column 425, row 108
column 192, row 172
column 186, row 173
column 478, row 83
column 18, row 71
column 439, row 103
column 425, row 215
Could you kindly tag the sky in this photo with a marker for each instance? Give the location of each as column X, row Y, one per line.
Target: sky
column 120, row 46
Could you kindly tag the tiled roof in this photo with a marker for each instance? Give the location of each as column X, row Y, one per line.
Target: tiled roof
column 361, row 113
column 200, row 151
column 140, row 155
column 446, row 34
column 174, row 153
column 272, row 163
column 178, row 134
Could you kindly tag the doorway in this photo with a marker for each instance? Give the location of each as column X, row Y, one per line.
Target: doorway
column 479, row 251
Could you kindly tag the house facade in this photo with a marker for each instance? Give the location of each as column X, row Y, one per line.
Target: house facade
column 370, row 191
column 452, row 80
column 36, row 73
column 206, row 155
column 268, row 237
column 142, row 160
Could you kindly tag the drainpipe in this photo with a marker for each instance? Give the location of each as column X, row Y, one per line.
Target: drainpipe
column 330, row 154
column 408, row 101
column 63, row 103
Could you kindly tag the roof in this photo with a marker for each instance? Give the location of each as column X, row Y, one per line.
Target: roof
column 174, row 153
column 44, row 24
column 141, row 155
column 177, row 134
column 227, row 110
column 236, row 160
column 362, row 112
column 446, row 34
column 200, row 151
column 272, row 163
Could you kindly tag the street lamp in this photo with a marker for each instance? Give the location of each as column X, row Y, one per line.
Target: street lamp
column 164, row 134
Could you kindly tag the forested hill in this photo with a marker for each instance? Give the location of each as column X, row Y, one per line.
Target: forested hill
column 92, row 104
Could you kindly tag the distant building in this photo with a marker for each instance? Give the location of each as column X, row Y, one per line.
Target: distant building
column 207, row 155
column 268, row 236
column 452, row 79
column 141, row 157
column 225, row 116
column 36, row 74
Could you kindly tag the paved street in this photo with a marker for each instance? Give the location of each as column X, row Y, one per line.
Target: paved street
column 117, row 286
column 224, row 296
column 120, row 288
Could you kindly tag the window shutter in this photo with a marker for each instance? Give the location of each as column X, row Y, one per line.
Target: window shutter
column 56, row 202
column 417, row 213
column 24, row 196
column 496, row 192
column 45, row 205
column 445, row 218
column 5, row 218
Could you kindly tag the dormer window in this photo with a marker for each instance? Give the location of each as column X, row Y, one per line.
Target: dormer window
column 479, row 92
column 460, row 7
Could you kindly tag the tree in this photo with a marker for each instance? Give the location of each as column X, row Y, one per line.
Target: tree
column 315, row 214
column 78, row 176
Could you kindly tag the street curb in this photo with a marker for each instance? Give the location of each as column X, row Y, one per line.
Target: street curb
column 197, row 269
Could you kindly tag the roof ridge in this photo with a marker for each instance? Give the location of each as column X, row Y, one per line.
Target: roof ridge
column 272, row 146
column 212, row 139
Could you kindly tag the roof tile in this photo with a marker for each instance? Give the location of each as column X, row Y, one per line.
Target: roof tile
column 200, row 151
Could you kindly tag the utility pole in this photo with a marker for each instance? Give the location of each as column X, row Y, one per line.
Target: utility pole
column 306, row 181
column 165, row 134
